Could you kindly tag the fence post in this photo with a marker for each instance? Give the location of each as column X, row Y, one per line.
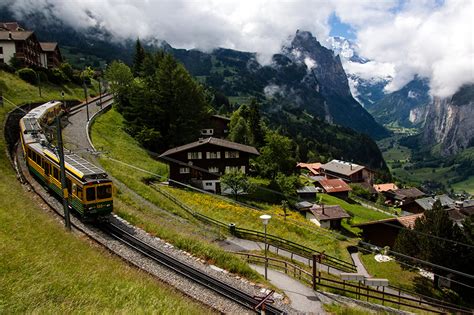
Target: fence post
column 232, row 228
column 314, row 271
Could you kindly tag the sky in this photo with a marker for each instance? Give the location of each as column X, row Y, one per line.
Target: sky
column 402, row 38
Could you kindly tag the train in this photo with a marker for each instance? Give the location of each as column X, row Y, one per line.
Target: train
column 89, row 190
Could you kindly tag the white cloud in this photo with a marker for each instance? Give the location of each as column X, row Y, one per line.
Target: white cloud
column 428, row 38
column 371, row 71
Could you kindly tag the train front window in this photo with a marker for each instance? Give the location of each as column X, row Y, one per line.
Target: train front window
column 90, row 193
column 104, row 192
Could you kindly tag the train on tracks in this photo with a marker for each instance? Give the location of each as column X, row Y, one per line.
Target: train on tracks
column 89, row 190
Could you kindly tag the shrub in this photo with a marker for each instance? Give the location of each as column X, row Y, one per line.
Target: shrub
column 28, row 75
column 56, row 76
column 7, row 68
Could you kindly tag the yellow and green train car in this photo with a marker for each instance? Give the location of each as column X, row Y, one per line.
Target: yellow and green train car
column 89, row 190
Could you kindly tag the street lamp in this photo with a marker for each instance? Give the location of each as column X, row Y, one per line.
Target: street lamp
column 265, row 218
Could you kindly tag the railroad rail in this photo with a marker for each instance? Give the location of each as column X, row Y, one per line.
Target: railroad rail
column 152, row 253
column 181, row 268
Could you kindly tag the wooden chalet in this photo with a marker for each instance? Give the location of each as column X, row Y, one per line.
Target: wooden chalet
column 21, row 45
column 425, row 204
column 347, row 171
column 335, row 187
column 216, row 126
column 307, row 192
column 326, row 216
column 405, row 198
column 50, row 55
column 201, row 163
column 384, row 232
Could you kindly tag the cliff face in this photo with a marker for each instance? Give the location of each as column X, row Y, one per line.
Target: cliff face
column 450, row 122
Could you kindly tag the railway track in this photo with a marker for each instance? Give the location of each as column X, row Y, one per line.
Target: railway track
column 126, row 238
column 187, row 271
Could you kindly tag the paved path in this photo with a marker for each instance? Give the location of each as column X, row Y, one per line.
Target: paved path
column 303, row 299
column 360, row 266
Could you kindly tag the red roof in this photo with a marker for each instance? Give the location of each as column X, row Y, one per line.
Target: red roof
column 334, row 185
column 312, row 167
column 385, row 187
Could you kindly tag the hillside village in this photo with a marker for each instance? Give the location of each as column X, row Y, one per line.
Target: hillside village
column 239, row 161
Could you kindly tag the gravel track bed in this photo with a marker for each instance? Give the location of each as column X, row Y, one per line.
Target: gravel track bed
column 188, row 287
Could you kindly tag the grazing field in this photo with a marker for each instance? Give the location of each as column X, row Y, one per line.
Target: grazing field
column 43, row 269
column 466, row 185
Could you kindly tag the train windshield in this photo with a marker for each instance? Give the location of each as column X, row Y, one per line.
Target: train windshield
column 90, row 193
column 104, row 191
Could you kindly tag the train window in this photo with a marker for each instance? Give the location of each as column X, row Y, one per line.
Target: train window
column 47, row 168
column 69, row 185
column 55, row 173
column 79, row 192
column 104, row 192
column 90, row 193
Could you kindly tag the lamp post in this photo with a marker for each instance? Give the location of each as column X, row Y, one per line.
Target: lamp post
column 265, row 218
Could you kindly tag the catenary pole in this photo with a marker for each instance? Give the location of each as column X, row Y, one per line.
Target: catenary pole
column 67, row 219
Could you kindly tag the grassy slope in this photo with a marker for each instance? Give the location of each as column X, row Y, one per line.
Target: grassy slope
column 45, row 270
column 189, row 234
column 121, row 146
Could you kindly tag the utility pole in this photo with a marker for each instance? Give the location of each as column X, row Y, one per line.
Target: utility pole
column 39, row 83
column 100, row 92
column 87, row 104
column 67, row 219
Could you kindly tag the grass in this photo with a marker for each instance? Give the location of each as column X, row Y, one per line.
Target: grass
column 172, row 223
column 390, row 270
column 359, row 213
column 466, row 185
column 43, row 269
column 295, row 228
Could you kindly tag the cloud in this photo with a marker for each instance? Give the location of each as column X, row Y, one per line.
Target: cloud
column 429, row 38
column 435, row 42
column 371, row 71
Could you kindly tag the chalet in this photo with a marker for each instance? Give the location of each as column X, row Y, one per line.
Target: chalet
column 347, row 171
column 50, row 55
column 384, row 232
column 425, row 204
column 380, row 188
column 307, row 192
column 405, row 198
column 216, row 126
column 466, row 207
column 312, row 168
column 335, row 187
column 201, row 163
column 22, row 45
column 326, row 216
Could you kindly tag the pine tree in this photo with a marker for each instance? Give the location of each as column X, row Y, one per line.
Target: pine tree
column 255, row 124
column 138, row 58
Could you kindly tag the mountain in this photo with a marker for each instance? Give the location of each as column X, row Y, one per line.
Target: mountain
column 449, row 126
column 406, row 107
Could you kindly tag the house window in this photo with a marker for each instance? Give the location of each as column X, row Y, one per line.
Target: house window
column 213, row 155
column 213, row 169
column 209, row 184
column 194, row 155
column 231, row 154
column 184, row 170
column 231, row 169
column 207, row 132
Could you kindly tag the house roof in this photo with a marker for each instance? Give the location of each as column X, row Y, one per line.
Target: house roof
column 428, row 202
column 221, row 117
column 214, row 141
column 407, row 221
column 306, row 190
column 327, row 213
column 48, row 46
column 303, row 205
column 342, row 167
column 15, row 35
column 11, row 26
column 407, row 193
column 456, row 215
column 334, row 185
column 312, row 167
column 385, row 187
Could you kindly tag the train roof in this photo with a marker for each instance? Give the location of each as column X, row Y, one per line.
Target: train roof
column 75, row 164
column 40, row 110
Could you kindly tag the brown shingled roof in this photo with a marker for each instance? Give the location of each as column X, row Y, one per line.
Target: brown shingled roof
column 214, row 141
column 5, row 35
column 407, row 221
column 342, row 167
column 334, row 185
column 325, row 212
column 46, row 46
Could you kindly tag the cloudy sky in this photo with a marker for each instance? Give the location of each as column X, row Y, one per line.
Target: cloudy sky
column 431, row 38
